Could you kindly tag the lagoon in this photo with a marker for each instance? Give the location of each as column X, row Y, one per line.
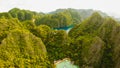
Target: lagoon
column 67, row 29
column 65, row 63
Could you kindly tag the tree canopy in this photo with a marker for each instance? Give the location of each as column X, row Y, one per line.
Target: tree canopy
column 31, row 39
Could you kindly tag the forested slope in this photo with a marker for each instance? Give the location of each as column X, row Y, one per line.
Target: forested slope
column 28, row 39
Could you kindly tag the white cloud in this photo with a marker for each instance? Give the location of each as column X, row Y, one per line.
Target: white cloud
column 110, row 6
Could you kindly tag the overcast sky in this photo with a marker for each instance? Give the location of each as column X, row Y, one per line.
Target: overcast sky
column 109, row 6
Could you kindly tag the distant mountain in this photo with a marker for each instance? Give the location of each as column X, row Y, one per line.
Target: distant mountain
column 83, row 13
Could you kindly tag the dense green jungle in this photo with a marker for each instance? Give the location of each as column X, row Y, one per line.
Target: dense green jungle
column 30, row 39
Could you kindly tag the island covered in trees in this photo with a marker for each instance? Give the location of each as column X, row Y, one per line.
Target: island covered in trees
column 29, row 39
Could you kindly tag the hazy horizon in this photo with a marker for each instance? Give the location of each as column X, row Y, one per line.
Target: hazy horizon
column 110, row 7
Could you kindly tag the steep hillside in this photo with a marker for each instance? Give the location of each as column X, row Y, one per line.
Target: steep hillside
column 22, row 49
column 30, row 39
column 106, row 34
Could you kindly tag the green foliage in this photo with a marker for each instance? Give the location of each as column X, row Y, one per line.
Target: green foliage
column 55, row 20
column 29, row 24
column 42, row 31
column 5, row 15
column 87, row 50
column 57, row 45
column 22, row 49
column 105, row 29
column 76, row 16
column 22, row 15
column 27, row 40
column 14, row 12
column 72, row 14
column 88, row 26
column 6, row 25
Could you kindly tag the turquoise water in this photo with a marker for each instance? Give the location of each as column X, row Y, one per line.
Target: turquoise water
column 66, row 28
column 65, row 64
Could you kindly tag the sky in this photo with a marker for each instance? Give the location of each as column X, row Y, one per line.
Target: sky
column 109, row 6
